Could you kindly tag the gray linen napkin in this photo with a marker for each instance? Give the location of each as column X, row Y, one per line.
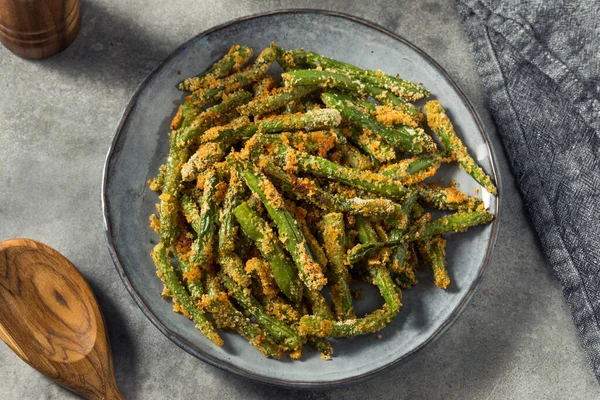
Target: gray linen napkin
column 540, row 64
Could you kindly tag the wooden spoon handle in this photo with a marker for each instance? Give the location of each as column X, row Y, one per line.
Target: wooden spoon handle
column 50, row 318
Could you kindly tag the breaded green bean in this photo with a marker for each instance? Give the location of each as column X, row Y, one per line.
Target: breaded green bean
column 226, row 315
column 236, row 81
column 209, row 117
column 309, row 190
column 334, row 241
column 319, row 327
column 230, row 261
column 438, row 121
column 204, row 245
column 233, row 61
column 434, row 252
column 242, row 128
column 206, row 155
column 309, row 270
column 167, row 274
column 413, row 170
column 376, row 270
column 319, row 166
column 270, row 102
column 284, row 270
column 398, row 86
column 282, row 333
column 407, row 138
column 446, row 198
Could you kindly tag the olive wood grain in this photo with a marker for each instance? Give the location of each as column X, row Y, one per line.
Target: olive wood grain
column 38, row 28
column 50, row 318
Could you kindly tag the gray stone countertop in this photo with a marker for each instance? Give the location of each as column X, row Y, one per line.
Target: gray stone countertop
column 515, row 340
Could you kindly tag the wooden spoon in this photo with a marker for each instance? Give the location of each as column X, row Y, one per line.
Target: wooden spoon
column 50, row 318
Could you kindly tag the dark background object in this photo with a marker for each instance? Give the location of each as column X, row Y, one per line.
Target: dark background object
column 38, row 28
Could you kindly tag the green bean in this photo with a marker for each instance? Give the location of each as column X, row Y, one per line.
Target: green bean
column 331, row 79
column 433, row 250
column 307, row 189
column 319, row 166
column 319, row 142
column 446, row 198
column 334, row 240
column 203, row 246
column 206, row 155
column 377, row 271
column 235, row 82
column 354, row 157
column 242, row 127
column 322, row 345
column 320, row 327
column 457, row 222
column 231, row 62
column 156, row 183
column 209, row 117
column 315, row 248
column 407, row 138
column 270, row 102
column 282, row 333
column 415, row 169
column 318, row 304
column 227, row 316
column 263, row 86
column 168, row 205
column 230, row 262
column 191, row 272
column 371, row 144
column 440, row 123
column 167, row 274
column 401, row 87
column 284, row 270
column 309, row 270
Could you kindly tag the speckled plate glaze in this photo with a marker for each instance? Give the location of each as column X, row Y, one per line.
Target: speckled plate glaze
column 141, row 143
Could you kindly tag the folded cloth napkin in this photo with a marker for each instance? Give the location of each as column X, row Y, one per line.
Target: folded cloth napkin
column 539, row 61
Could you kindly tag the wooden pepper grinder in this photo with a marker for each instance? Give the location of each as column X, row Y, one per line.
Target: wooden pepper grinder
column 38, row 28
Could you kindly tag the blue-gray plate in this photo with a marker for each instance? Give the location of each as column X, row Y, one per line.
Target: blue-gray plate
column 140, row 145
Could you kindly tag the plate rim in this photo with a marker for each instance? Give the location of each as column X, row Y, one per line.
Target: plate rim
column 227, row 365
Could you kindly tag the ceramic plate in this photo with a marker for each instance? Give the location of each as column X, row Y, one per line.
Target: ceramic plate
column 141, row 144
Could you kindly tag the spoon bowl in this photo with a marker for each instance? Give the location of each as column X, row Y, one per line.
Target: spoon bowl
column 50, row 318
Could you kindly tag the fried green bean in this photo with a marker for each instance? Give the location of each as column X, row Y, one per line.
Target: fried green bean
column 284, row 270
column 167, row 274
column 407, row 138
column 282, row 333
column 334, row 241
column 376, row 270
column 203, row 245
column 400, row 87
column 226, row 315
column 433, row 251
column 296, row 244
column 237, row 81
column 439, row 123
column 446, row 198
column 270, row 102
column 242, row 128
column 309, row 190
column 413, row 170
column 233, row 61
column 370, row 181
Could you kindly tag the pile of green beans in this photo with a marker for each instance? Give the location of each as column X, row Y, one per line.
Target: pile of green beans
column 273, row 191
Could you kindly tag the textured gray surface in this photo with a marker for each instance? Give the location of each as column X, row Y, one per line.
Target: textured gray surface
column 515, row 340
